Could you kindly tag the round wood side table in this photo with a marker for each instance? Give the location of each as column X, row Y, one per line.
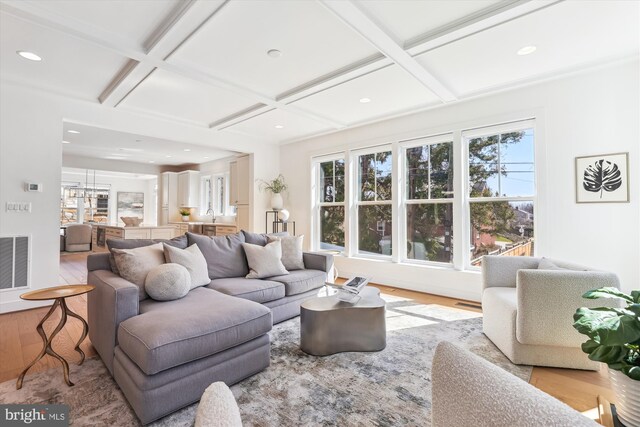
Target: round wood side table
column 58, row 293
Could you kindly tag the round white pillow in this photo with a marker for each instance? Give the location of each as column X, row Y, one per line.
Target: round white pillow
column 168, row 282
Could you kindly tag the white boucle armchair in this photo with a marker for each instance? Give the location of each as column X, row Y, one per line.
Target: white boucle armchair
column 528, row 305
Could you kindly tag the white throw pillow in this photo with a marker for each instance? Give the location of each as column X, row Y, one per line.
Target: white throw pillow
column 291, row 251
column 135, row 264
column 167, row 282
column 193, row 260
column 264, row 261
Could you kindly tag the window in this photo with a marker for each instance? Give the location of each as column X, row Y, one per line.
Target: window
column 331, row 209
column 206, row 196
column 220, row 194
column 501, row 191
column 428, row 203
column 374, row 193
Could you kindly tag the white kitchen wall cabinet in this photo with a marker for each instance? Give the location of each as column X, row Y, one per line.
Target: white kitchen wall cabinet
column 188, row 189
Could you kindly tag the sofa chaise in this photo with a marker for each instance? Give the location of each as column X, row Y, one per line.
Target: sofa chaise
column 164, row 354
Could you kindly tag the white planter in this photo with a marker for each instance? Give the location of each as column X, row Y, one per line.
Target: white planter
column 276, row 201
column 185, row 218
column 627, row 401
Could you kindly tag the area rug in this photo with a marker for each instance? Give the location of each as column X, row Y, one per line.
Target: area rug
column 387, row 388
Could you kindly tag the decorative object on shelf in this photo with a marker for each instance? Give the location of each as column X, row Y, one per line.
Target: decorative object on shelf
column 276, row 187
column 603, row 178
column 131, row 221
column 283, row 215
column 277, row 225
column 614, row 337
column 186, row 214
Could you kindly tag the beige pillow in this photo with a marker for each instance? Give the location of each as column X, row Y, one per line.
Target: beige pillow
column 193, row 260
column 264, row 261
column 135, row 264
column 291, row 251
column 167, row 282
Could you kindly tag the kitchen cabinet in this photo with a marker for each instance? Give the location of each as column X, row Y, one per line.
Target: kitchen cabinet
column 239, row 185
column 242, row 217
column 218, row 229
column 101, row 233
column 168, row 198
column 188, row 189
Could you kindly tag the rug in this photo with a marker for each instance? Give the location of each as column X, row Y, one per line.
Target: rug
column 387, row 388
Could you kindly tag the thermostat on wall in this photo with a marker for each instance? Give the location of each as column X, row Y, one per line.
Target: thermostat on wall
column 30, row 186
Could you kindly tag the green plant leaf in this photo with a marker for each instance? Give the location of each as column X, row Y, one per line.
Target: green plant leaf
column 632, row 372
column 634, row 308
column 618, row 330
column 636, row 296
column 607, row 293
column 589, row 346
column 608, row 354
column 588, row 321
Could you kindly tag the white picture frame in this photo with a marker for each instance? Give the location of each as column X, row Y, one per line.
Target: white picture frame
column 602, row 178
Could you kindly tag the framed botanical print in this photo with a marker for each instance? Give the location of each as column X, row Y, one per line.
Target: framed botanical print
column 602, row 178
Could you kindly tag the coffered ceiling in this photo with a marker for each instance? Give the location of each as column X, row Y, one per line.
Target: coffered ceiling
column 338, row 63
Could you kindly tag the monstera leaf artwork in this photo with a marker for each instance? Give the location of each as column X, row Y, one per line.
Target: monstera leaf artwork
column 602, row 176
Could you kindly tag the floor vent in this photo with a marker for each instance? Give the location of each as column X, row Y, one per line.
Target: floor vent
column 466, row 304
column 14, row 262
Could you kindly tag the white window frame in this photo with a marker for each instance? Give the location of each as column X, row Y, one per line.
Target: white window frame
column 467, row 199
column 402, row 214
column 316, row 204
column 223, row 208
column 354, row 202
column 204, row 206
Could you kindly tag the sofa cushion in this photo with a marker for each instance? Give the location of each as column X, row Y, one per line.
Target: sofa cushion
column 167, row 282
column 178, row 242
column 205, row 322
column 300, row 281
column 193, row 260
column 291, row 251
column 264, row 261
column 224, row 254
column 252, row 289
column 135, row 264
column 261, row 238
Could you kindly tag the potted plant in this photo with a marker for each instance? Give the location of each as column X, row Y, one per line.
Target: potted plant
column 276, row 187
column 614, row 339
column 185, row 214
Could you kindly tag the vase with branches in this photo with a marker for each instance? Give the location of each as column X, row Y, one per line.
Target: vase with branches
column 276, row 187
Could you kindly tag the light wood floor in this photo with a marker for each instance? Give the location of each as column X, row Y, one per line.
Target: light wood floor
column 20, row 343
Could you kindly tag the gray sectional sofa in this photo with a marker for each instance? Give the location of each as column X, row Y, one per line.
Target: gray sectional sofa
column 164, row 354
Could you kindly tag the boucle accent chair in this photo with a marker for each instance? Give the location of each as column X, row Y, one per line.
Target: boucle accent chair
column 469, row 391
column 528, row 305
column 77, row 238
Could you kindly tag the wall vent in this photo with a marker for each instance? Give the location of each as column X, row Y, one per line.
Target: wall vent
column 14, row 262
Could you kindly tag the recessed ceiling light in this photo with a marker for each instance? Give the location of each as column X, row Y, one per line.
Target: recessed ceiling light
column 364, row 100
column 29, row 55
column 206, row 157
column 526, row 50
column 274, row 53
column 279, row 126
column 168, row 157
column 73, row 131
column 152, row 161
column 187, row 149
column 132, row 150
column 66, row 142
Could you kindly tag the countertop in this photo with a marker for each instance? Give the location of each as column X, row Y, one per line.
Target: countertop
column 227, row 224
column 122, row 227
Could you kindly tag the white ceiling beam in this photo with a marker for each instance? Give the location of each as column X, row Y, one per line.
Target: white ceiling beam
column 349, row 13
column 107, row 40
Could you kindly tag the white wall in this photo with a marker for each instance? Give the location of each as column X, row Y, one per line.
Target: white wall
column 122, row 184
column 31, row 150
column 593, row 112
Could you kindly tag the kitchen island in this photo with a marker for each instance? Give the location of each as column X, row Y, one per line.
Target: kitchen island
column 102, row 232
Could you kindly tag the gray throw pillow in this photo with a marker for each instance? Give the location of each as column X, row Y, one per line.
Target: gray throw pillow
column 167, row 282
column 546, row 264
column 193, row 260
column 264, row 261
column 135, row 264
column 224, row 254
column 291, row 251
column 178, row 242
column 261, row 238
